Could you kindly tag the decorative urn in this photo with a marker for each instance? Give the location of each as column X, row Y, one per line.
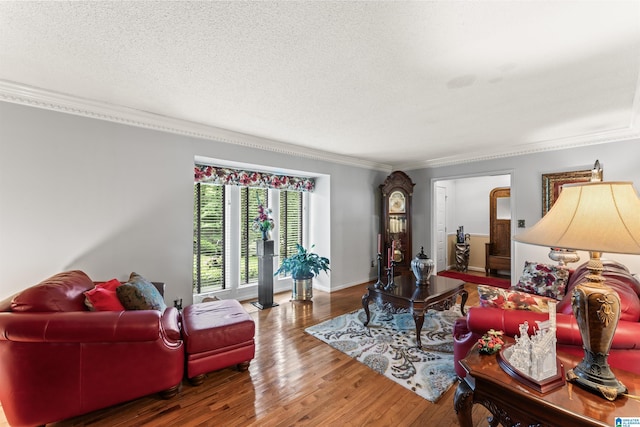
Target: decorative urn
column 563, row 256
column 422, row 267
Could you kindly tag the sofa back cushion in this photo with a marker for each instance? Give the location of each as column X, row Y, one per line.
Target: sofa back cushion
column 617, row 278
column 61, row 292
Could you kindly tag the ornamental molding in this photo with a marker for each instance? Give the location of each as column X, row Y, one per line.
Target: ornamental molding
column 618, row 135
column 17, row 93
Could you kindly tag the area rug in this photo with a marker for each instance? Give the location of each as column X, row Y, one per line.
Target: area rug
column 388, row 346
column 479, row 280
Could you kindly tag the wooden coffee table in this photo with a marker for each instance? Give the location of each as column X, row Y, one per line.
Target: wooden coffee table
column 407, row 297
column 511, row 403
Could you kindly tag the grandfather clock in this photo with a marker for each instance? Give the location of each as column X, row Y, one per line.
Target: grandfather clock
column 395, row 227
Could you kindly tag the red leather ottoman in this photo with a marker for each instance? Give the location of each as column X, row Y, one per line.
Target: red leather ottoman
column 216, row 335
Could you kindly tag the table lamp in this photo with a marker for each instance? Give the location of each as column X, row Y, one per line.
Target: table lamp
column 596, row 217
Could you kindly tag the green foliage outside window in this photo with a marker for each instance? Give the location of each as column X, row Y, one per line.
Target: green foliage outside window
column 209, row 245
column 208, row 239
column 249, row 197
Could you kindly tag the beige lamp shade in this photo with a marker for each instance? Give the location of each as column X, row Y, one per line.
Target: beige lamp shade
column 594, row 216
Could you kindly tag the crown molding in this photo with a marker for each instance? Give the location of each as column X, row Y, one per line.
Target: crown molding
column 17, row 93
column 630, row 132
column 618, row 135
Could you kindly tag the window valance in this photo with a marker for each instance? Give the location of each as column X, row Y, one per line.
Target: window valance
column 245, row 178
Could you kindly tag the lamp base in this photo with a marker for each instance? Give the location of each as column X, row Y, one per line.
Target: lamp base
column 594, row 373
column 596, row 308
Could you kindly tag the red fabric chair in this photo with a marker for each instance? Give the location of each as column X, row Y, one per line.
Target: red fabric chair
column 625, row 349
column 58, row 360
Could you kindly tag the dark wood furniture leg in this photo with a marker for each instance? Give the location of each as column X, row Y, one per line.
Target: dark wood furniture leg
column 419, row 319
column 170, row 392
column 463, row 295
column 463, row 403
column 365, row 305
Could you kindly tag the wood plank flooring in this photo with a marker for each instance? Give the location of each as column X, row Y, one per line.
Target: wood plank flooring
column 294, row 379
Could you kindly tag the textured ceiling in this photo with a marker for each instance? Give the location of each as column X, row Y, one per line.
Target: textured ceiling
column 394, row 83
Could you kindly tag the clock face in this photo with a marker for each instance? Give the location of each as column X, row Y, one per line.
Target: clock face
column 396, row 202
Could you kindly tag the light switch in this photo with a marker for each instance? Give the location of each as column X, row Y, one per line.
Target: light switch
column 521, row 223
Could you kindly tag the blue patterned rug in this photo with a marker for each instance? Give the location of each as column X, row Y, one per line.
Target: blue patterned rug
column 388, row 346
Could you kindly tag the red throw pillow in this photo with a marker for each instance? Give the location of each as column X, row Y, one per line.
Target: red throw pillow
column 104, row 297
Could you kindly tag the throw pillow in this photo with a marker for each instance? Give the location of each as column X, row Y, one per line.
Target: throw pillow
column 542, row 279
column 104, row 297
column 512, row 300
column 140, row 294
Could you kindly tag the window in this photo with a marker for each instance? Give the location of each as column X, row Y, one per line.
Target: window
column 290, row 217
column 248, row 211
column 224, row 241
column 208, row 238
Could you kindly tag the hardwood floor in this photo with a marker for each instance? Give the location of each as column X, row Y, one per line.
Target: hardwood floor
column 294, row 379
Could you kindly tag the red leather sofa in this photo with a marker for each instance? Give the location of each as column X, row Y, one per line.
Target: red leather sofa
column 59, row 360
column 625, row 349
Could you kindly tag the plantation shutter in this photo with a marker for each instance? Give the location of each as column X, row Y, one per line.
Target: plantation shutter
column 209, row 238
column 248, row 212
column 290, row 222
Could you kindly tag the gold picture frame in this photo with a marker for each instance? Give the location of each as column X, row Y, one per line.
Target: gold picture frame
column 552, row 184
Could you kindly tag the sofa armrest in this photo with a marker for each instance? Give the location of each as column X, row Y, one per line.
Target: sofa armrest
column 170, row 323
column 84, row 327
column 463, row 341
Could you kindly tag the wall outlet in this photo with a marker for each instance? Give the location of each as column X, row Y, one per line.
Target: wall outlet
column 372, row 264
column 521, row 223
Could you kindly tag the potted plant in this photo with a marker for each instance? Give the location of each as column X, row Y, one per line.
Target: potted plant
column 303, row 267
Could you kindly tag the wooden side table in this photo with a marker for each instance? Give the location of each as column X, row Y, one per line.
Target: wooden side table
column 513, row 404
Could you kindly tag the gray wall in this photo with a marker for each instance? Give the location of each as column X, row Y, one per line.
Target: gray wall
column 619, row 161
column 107, row 198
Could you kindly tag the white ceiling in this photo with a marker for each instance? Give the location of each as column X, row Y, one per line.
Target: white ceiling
column 397, row 84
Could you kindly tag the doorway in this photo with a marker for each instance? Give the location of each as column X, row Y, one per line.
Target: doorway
column 463, row 202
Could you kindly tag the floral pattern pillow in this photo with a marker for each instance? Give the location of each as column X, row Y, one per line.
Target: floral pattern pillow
column 542, row 279
column 512, row 300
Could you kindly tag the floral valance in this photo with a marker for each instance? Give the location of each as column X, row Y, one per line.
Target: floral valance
column 230, row 176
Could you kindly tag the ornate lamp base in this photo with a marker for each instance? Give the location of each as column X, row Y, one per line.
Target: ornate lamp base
column 604, row 382
column 597, row 310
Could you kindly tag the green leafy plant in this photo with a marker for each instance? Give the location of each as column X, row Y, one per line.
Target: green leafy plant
column 304, row 264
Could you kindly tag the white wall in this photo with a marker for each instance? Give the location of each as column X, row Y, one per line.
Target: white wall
column 619, row 161
column 107, row 198
column 468, row 203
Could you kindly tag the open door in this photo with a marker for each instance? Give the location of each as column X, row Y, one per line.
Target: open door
column 498, row 250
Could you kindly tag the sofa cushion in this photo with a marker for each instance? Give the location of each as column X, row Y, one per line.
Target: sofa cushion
column 542, row 279
column 140, row 294
column 216, row 325
column 61, row 292
column 618, row 278
column 104, row 297
column 512, row 300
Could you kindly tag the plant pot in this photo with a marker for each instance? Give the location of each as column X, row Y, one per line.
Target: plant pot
column 302, row 289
